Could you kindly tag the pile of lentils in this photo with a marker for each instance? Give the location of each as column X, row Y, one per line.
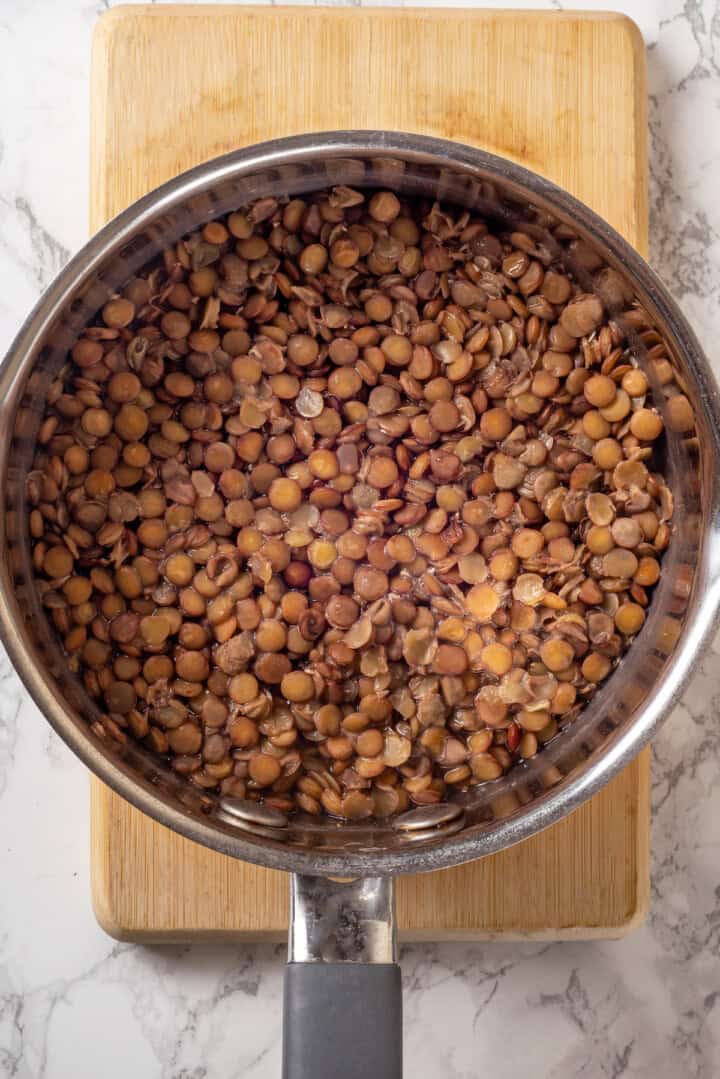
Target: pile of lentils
column 347, row 502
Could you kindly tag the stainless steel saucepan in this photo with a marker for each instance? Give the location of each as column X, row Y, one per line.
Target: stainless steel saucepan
column 342, row 992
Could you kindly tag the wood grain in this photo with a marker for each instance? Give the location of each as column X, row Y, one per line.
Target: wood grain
column 562, row 93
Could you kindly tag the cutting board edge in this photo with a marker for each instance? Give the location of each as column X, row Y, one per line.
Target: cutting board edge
column 106, row 911
column 121, row 12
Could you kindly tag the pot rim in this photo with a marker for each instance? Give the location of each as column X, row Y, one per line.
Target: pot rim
column 579, row 785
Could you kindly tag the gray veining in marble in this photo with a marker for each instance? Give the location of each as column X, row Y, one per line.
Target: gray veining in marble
column 75, row 1003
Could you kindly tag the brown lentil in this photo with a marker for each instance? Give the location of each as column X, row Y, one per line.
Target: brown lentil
column 325, row 485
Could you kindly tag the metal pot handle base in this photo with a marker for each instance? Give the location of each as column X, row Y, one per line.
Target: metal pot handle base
column 342, row 1004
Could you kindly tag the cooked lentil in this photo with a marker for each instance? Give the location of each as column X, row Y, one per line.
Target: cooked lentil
column 349, row 501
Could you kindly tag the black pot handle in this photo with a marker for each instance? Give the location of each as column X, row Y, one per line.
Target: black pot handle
column 342, row 1019
column 343, row 995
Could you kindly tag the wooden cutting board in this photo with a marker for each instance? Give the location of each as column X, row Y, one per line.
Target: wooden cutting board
column 562, row 93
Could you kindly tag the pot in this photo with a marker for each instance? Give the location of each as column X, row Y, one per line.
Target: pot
column 342, row 991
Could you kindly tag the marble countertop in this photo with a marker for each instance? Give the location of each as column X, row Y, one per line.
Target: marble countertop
column 74, row 1002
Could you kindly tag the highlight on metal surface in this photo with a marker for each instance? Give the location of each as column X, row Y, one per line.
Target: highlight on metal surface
column 427, row 817
column 342, row 921
column 252, row 812
column 419, row 835
column 279, row 835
